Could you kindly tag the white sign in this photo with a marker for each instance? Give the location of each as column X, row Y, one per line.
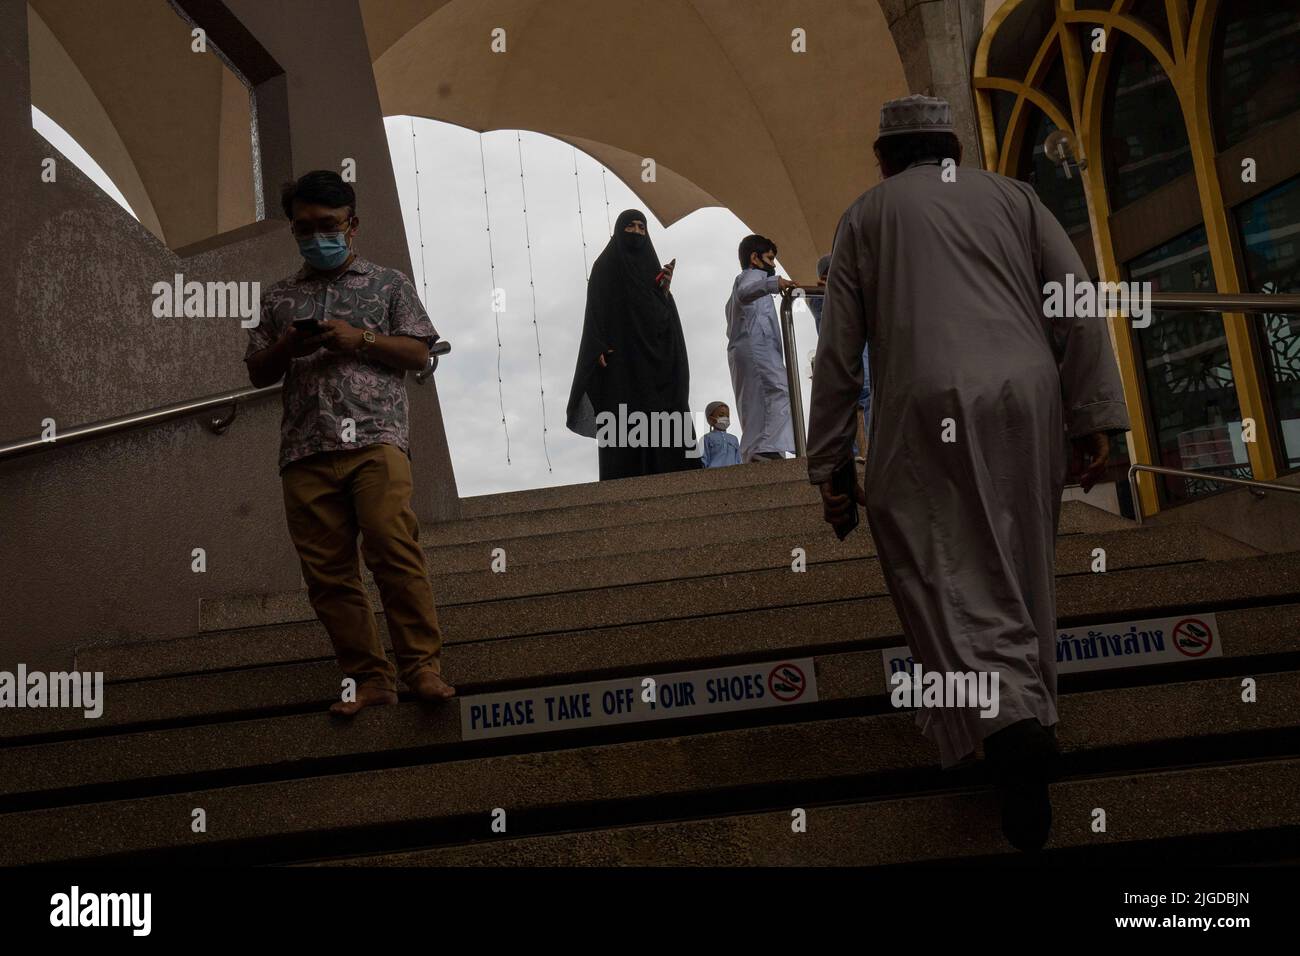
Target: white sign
column 1099, row 647
column 630, row 700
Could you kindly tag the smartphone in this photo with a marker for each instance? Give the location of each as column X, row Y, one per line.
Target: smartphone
column 661, row 279
column 310, row 326
column 843, row 482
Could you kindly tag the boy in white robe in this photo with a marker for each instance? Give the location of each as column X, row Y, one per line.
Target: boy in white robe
column 758, row 374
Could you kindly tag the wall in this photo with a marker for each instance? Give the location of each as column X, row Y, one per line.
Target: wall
column 95, row 539
column 1270, row 523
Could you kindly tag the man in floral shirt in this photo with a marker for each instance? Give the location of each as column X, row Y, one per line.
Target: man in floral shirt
column 344, row 445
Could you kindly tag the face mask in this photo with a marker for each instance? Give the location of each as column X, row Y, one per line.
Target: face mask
column 324, row 251
column 634, row 240
column 770, row 270
column 722, row 424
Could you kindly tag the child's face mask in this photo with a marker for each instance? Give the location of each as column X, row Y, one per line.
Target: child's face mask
column 722, row 423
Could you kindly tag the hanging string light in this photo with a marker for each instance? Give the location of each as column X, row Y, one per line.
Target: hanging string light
column 496, row 316
column 609, row 223
column 582, row 230
column 533, row 288
column 424, row 262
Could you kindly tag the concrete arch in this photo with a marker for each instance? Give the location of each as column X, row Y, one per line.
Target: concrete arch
column 170, row 126
column 711, row 90
column 61, row 92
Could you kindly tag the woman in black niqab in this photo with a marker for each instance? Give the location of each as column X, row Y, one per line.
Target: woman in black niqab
column 634, row 324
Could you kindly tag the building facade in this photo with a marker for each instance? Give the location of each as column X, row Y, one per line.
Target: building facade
column 1182, row 169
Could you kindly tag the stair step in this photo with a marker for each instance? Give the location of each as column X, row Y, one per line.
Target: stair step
column 727, row 593
column 706, row 504
column 530, row 550
column 724, row 527
column 649, row 486
column 782, row 757
column 1074, row 555
column 609, row 514
column 489, row 666
column 856, row 676
column 1110, row 596
column 1140, row 808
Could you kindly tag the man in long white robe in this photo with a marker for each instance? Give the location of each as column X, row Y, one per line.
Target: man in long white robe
column 758, row 375
column 975, row 394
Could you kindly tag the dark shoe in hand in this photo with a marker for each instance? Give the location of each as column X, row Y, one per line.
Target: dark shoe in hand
column 429, row 685
column 368, row 695
column 1023, row 759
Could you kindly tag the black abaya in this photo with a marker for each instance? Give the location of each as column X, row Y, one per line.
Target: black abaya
column 647, row 371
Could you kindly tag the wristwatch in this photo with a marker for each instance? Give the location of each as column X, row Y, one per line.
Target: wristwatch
column 367, row 338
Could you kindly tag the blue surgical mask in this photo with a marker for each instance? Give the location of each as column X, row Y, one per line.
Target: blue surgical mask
column 324, row 251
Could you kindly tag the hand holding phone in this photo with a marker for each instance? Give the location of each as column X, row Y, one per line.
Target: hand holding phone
column 304, row 336
column 310, row 326
column 665, row 276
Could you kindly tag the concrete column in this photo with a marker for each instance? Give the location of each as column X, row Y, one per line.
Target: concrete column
column 15, row 98
column 936, row 41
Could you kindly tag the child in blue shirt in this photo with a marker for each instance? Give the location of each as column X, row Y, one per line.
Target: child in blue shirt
column 720, row 449
column 815, row 303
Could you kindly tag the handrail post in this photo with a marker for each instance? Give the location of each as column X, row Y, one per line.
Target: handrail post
column 1133, row 492
column 792, row 375
column 438, row 348
column 218, row 424
column 1255, row 487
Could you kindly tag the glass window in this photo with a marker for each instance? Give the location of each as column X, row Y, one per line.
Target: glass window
column 1002, row 102
column 1016, row 42
column 1084, row 34
column 1270, row 235
column 1152, row 13
column 1055, row 84
column 1146, row 141
column 1059, row 193
column 1256, row 66
column 1191, row 393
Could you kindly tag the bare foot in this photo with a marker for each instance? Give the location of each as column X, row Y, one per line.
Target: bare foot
column 429, row 685
column 367, row 696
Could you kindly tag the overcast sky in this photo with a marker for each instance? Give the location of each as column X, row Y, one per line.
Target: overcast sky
column 455, row 268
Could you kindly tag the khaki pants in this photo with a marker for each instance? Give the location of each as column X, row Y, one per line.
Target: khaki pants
column 329, row 498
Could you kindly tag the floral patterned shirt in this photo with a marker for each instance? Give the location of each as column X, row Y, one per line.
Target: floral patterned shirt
column 324, row 389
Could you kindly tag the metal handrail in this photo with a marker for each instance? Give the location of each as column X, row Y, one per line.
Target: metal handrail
column 1244, row 302
column 792, row 363
column 1249, row 302
column 436, row 349
column 217, row 424
column 1257, row 488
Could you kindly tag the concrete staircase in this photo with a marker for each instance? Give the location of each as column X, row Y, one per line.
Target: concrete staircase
column 651, row 576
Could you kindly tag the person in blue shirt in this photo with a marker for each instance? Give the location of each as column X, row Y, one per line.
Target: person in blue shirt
column 720, row 449
column 815, row 303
